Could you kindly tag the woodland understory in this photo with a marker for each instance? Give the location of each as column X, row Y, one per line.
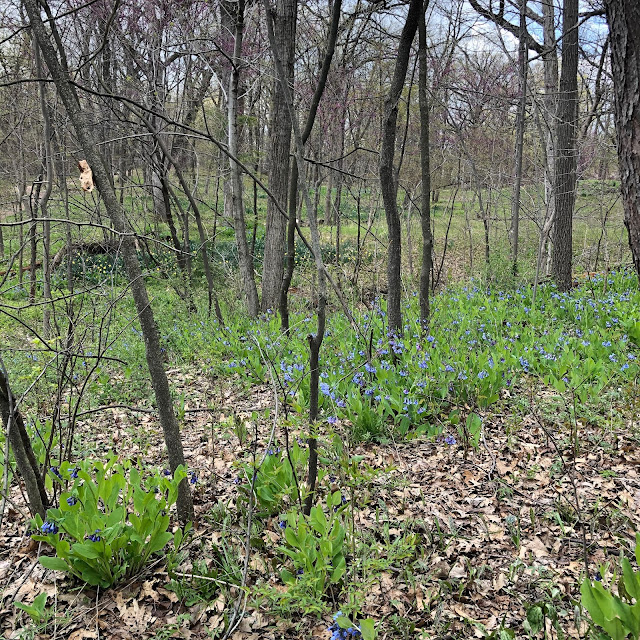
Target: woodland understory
column 336, row 336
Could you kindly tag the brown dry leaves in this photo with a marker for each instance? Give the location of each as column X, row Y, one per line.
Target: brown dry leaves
column 495, row 533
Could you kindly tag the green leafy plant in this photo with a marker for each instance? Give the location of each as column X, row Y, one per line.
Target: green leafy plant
column 316, row 546
column 109, row 522
column 469, row 431
column 36, row 611
column 618, row 615
column 275, row 482
column 314, row 555
column 343, row 628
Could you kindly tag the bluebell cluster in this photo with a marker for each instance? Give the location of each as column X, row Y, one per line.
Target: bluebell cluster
column 49, row 527
column 71, row 500
column 478, row 347
column 338, row 633
column 94, row 537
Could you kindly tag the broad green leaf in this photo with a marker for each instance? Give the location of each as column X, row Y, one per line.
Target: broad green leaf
column 344, row 622
column 630, row 579
column 87, row 550
column 319, row 521
column 367, row 629
column 56, row 564
column 158, row 543
column 600, row 607
column 35, row 610
column 287, row 577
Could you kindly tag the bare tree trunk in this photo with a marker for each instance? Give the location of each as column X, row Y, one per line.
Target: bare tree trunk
column 550, row 101
column 566, row 153
column 21, row 189
column 315, row 341
column 34, row 201
column 388, row 184
column 425, row 174
column 522, row 112
column 327, row 199
column 44, row 199
column 83, row 129
column 245, row 260
column 283, row 303
column 172, row 229
column 280, row 133
column 623, row 17
column 22, row 451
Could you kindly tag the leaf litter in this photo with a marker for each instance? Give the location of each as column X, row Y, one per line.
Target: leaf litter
column 496, row 532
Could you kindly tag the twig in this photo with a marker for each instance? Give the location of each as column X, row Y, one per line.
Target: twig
column 195, row 575
column 493, row 458
column 571, row 473
column 235, row 618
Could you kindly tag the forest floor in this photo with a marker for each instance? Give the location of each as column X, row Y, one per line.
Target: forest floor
column 464, row 546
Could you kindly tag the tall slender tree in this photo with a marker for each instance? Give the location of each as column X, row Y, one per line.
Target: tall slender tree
column 386, row 168
column 245, row 259
column 425, row 173
column 520, row 124
column 55, row 59
column 566, row 152
column 623, row 17
column 280, row 132
column 283, row 303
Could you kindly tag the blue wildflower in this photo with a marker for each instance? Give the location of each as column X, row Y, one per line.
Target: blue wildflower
column 49, row 527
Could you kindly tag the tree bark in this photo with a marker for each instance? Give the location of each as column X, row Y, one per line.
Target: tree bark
column 245, row 259
column 22, row 451
column 47, row 165
column 566, row 152
column 55, row 61
column 522, row 112
column 283, row 301
column 280, row 134
column 388, row 183
column 425, row 169
column 315, row 341
column 623, row 17
column 550, row 101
